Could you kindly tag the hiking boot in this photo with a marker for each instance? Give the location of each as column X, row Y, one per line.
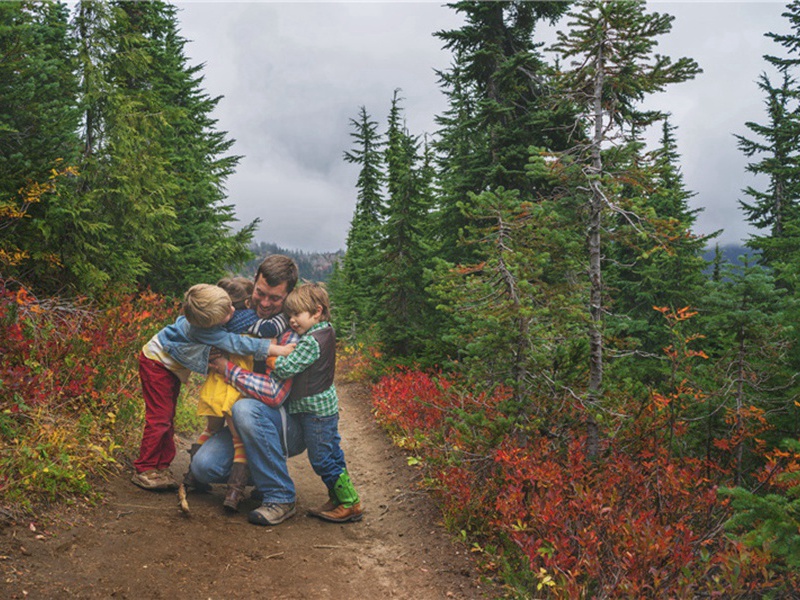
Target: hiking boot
column 332, row 503
column 272, row 513
column 152, row 480
column 169, row 481
column 237, row 481
column 342, row 513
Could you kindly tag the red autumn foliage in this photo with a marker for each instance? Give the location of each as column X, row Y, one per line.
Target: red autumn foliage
column 637, row 523
column 70, row 353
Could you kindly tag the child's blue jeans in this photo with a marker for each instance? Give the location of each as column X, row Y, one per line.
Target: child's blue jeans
column 322, row 441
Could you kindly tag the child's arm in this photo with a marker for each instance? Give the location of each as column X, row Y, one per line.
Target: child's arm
column 231, row 342
column 276, row 350
column 304, row 355
column 252, row 385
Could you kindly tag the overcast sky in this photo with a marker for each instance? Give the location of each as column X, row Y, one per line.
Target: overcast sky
column 293, row 74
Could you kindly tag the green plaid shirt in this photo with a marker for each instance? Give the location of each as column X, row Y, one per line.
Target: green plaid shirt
column 304, row 355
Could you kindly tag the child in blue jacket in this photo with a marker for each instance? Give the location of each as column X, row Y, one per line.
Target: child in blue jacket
column 167, row 360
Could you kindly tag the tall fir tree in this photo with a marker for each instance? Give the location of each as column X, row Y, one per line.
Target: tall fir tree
column 499, row 107
column 611, row 47
column 777, row 148
column 749, row 340
column 153, row 169
column 401, row 301
column 198, row 159
column 39, row 120
column 354, row 283
column 644, row 272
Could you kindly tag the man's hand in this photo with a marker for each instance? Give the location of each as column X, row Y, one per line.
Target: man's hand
column 276, row 350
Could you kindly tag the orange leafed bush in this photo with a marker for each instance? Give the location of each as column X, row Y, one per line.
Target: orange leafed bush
column 638, row 523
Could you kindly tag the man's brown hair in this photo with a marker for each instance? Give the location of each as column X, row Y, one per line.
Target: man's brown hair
column 277, row 269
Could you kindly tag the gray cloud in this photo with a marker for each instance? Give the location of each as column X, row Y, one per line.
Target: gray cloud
column 294, row 74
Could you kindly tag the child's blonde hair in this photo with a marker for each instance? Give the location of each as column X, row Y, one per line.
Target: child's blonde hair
column 308, row 297
column 240, row 289
column 206, row 305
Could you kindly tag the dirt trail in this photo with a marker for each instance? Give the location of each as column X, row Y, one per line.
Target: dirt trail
column 138, row 544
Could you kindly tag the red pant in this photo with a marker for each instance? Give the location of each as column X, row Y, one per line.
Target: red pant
column 160, row 388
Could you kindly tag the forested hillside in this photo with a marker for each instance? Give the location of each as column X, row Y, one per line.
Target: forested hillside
column 602, row 408
column 313, row 266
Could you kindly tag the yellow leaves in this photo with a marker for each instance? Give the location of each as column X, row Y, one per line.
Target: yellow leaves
column 12, row 257
column 545, row 579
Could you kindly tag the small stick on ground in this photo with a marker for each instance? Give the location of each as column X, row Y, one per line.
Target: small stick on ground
column 182, row 501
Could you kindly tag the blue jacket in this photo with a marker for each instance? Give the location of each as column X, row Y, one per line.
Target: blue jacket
column 190, row 345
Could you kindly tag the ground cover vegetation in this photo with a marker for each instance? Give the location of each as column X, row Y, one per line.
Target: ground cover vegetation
column 600, row 412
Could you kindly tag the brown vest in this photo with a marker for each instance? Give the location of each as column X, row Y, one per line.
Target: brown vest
column 318, row 377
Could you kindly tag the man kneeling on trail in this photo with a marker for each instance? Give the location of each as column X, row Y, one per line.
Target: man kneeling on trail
column 272, row 431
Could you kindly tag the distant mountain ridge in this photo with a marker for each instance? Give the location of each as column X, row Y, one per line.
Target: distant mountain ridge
column 731, row 253
column 313, row 266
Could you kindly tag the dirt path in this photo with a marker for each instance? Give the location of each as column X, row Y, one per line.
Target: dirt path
column 138, row 545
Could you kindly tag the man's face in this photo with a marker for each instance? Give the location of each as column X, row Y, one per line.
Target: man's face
column 267, row 299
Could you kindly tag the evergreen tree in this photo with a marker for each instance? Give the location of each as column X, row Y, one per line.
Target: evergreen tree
column 38, row 129
column 354, row 284
column 148, row 203
column 401, row 300
column 776, row 208
column 748, row 339
column 644, row 272
column 611, row 44
column 499, row 107
column 197, row 159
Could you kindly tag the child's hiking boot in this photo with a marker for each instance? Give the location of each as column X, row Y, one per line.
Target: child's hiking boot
column 342, row 513
column 167, row 477
column 348, row 505
column 152, row 480
column 329, row 505
column 272, row 513
column 237, row 481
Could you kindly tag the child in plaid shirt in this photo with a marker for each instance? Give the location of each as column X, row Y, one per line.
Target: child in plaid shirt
column 313, row 398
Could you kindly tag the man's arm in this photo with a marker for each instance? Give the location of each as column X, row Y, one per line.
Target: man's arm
column 256, row 385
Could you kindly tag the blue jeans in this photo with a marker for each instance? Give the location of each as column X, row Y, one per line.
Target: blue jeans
column 321, row 435
column 261, row 430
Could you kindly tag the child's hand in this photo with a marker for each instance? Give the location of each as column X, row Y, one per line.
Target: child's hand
column 218, row 365
column 276, row 350
column 216, row 353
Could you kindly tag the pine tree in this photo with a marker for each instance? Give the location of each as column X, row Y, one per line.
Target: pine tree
column 152, row 174
column 644, row 273
column 354, row 284
column 748, row 339
column 198, row 163
column 611, row 47
column 499, row 107
column 38, row 125
column 402, row 256
column 777, row 143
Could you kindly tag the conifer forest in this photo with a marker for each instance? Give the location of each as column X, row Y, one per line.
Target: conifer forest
column 600, row 411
